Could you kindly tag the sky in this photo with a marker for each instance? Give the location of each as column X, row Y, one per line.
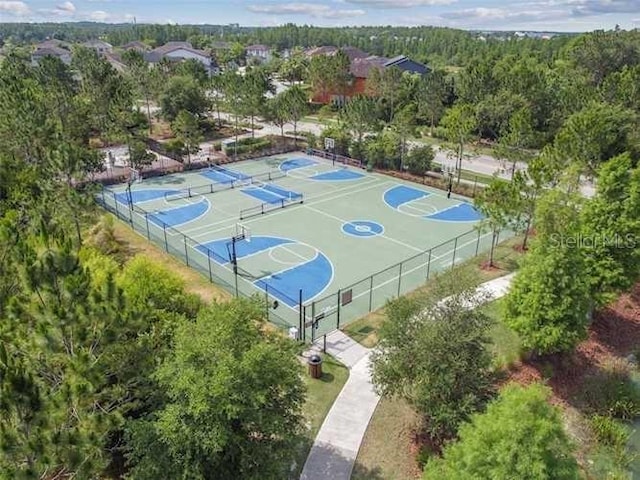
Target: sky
column 541, row 15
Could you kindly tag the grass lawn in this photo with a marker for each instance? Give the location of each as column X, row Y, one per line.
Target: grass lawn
column 321, row 394
column 506, row 346
column 386, row 451
column 194, row 281
column 365, row 329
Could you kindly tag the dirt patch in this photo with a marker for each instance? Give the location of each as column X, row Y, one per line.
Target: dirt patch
column 614, row 333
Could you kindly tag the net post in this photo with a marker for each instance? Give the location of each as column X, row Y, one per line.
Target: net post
column 186, row 250
column 370, row 293
column 429, row 263
column 478, row 242
column 338, row 313
column 399, row 278
column 455, row 247
column 164, row 229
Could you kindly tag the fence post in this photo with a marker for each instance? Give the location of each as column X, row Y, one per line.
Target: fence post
column 429, row 263
column 166, row 244
column 338, row 313
column 146, row 219
column 399, row 279
column 115, row 201
column 209, row 262
column 304, row 324
column 370, row 293
column 301, row 319
column 475, row 184
column 186, row 251
column 131, row 216
column 455, row 247
column 266, row 301
column 313, row 321
column 478, row 242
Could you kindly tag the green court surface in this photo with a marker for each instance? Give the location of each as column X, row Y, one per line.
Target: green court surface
column 328, row 242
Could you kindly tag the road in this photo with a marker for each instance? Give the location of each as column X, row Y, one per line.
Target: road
column 482, row 164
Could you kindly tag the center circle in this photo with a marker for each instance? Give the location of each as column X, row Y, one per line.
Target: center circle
column 362, row 228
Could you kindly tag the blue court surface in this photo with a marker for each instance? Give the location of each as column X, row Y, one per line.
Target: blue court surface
column 314, row 276
column 141, row 196
column 363, row 228
column 401, row 194
column 358, row 239
column 463, row 212
column 296, row 163
column 179, row 215
column 219, row 250
column 338, row 176
column 270, row 193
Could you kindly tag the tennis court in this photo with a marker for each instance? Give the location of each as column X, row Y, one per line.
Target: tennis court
column 327, row 242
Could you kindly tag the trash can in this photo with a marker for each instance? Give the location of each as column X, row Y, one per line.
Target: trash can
column 315, row 366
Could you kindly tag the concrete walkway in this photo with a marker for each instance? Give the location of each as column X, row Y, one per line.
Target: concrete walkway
column 336, row 446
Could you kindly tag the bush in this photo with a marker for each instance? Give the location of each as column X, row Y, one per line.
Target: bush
column 418, row 160
column 611, row 392
column 609, row 432
column 251, row 146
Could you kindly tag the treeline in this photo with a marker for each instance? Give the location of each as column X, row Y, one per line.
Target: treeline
column 108, row 365
column 440, row 46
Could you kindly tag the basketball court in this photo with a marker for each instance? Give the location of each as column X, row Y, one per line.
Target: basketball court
column 323, row 243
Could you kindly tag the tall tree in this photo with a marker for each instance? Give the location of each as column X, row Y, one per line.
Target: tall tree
column 234, row 398
column 256, row 84
column 296, row 104
column 186, row 128
column 520, row 435
column 460, row 126
column 431, row 95
column 515, row 138
column 433, row 352
column 549, row 304
column 611, row 227
column 182, row 93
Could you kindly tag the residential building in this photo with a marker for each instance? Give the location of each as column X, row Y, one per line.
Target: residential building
column 180, row 51
column 261, row 52
column 135, row 45
column 360, row 69
column 50, row 50
column 99, row 46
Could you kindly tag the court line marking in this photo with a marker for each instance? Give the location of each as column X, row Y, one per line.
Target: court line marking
column 309, row 198
column 342, row 222
column 422, row 265
column 331, row 196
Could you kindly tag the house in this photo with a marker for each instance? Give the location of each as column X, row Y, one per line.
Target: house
column 351, row 52
column 261, row 52
column 115, row 61
column 135, row 45
column 50, row 51
column 360, row 70
column 180, row 51
column 407, row 65
column 99, row 46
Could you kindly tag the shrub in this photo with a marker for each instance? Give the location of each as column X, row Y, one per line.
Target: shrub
column 611, row 392
column 609, row 431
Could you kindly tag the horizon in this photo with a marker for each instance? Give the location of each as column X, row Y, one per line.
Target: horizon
column 553, row 16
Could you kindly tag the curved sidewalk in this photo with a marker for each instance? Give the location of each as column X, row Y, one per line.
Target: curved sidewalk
column 336, row 446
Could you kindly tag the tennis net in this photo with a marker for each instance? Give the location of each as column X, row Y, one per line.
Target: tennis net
column 209, row 188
